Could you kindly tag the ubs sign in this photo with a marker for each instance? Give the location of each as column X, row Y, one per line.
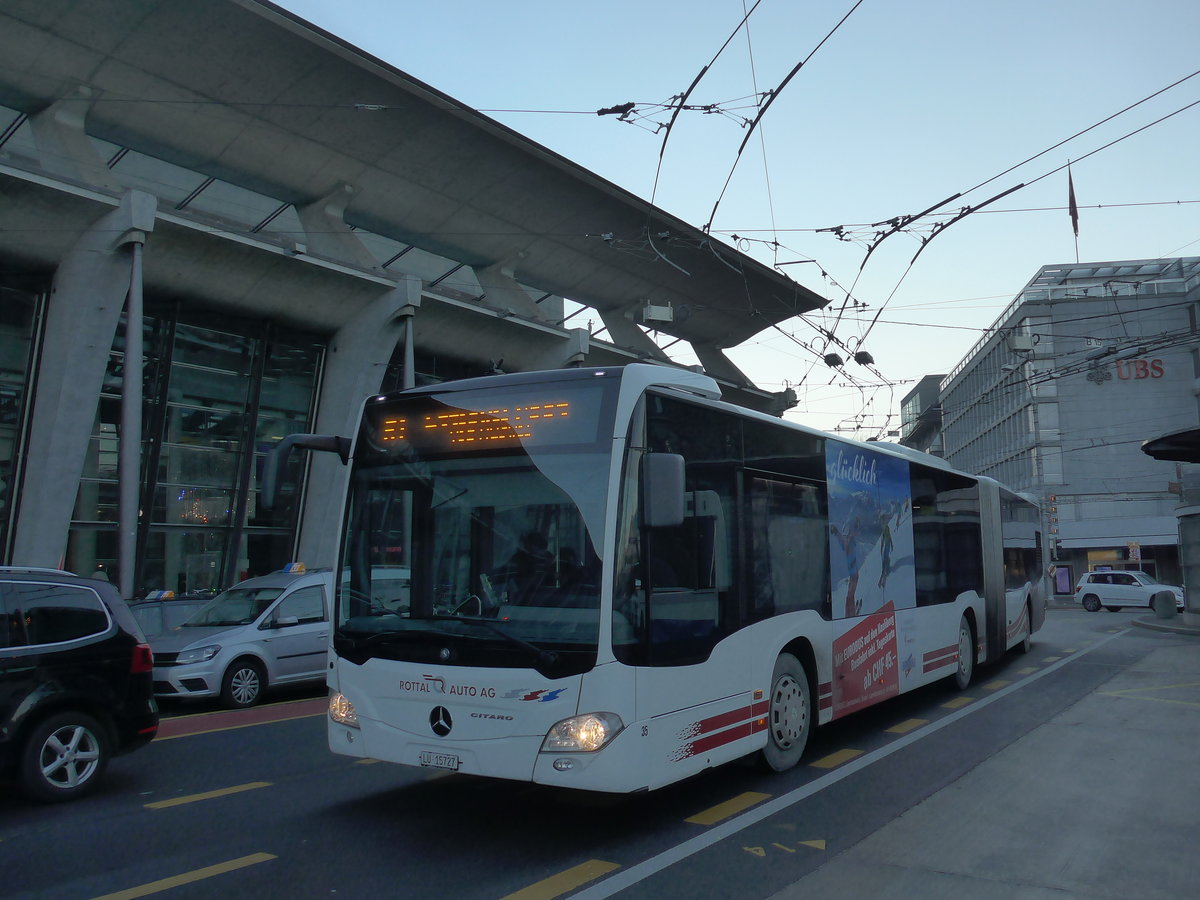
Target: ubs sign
column 1139, row 369
column 1128, row 370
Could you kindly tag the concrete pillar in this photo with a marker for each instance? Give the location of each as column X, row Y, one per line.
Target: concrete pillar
column 86, row 298
column 626, row 334
column 63, row 144
column 503, row 292
column 1188, row 513
column 354, row 367
column 327, row 234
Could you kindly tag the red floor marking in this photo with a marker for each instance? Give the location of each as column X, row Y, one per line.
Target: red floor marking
column 182, row 726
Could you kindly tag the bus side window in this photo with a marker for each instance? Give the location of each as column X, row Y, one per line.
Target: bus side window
column 688, row 568
column 789, row 556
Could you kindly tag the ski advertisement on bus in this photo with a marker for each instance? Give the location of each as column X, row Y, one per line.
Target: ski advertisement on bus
column 872, row 571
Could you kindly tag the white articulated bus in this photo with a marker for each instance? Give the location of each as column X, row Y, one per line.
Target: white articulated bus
column 618, row 580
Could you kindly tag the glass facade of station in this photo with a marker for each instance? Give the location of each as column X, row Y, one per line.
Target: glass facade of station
column 218, row 393
column 18, row 314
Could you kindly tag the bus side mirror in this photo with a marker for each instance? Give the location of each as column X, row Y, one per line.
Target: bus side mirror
column 277, row 457
column 662, row 490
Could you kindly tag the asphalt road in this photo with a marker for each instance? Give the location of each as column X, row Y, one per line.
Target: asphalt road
column 252, row 804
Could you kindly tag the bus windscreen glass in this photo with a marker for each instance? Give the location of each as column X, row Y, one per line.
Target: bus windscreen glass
column 492, row 502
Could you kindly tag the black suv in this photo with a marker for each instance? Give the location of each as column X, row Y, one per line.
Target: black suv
column 76, row 683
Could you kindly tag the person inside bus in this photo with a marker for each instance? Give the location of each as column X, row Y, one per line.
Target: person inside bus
column 529, row 568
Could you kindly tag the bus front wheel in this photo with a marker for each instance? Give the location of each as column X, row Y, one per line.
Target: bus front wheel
column 789, row 716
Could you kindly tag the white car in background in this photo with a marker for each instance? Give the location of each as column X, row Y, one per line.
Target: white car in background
column 265, row 631
column 1114, row 590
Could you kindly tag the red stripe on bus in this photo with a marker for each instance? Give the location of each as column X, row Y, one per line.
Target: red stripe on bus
column 1020, row 625
column 937, row 659
column 720, row 738
column 930, row 665
column 944, row 651
column 714, row 723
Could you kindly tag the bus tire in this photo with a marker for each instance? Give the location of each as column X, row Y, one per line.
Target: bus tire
column 966, row 655
column 1026, row 645
column 789, row 714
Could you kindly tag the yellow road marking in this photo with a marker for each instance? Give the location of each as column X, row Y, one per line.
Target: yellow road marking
column 1157, row 687
column 728, row 808
column 816, row 845
column 1052, row 659
column 174, row 881
column 908, row 725
column 557, row 885
column 1028, row 670
column 833, row 760
column 208, row 795
column 958, row 702
column 1129, row 692
column 1070, row 650
column 996, row 685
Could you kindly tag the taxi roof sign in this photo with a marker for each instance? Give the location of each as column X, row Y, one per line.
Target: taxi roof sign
column 295, row 568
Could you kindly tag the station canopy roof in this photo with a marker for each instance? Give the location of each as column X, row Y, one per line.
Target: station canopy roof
column 1177, row 446
column 244, row 91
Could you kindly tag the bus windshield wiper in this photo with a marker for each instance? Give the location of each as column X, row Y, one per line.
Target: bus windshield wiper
column 541, row 654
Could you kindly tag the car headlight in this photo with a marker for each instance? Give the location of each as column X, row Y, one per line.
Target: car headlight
column 342, row 711
column 197, row 655
column 583, row 734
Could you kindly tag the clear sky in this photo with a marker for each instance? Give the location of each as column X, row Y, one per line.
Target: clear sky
column 906, row 103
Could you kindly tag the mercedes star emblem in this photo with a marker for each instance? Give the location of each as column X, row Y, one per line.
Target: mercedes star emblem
column 440, row 721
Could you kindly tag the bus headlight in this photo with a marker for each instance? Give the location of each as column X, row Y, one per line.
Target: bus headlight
column 342, row 711
column 583, row 734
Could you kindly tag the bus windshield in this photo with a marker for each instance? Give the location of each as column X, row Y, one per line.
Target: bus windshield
column 496, row 510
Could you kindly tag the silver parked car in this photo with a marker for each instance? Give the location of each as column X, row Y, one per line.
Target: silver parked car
column 1113, row 590
column 263, row 632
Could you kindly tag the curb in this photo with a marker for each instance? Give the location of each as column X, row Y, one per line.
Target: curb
column 1167, row 626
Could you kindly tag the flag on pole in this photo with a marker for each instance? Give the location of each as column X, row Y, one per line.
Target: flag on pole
column 1072, row 207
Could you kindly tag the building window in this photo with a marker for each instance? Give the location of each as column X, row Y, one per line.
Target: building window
column 215, row 401
column 18, row 314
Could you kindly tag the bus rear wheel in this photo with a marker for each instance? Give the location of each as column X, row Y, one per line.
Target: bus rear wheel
column 966, row 655
column 789, row 714
column 1026, row 645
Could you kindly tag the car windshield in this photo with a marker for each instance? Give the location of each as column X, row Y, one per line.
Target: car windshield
column 236, row 606
column 1145, row 577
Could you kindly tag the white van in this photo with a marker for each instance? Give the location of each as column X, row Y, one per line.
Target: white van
column 263, row 632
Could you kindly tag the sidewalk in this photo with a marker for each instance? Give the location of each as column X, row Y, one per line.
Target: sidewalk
column 1102, row 801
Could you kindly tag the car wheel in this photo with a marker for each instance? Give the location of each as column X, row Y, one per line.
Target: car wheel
column 64, row 757
column 243, row 684
column 966, row 655
column 1091, row 603
column 1026, row 645
column 789, row 715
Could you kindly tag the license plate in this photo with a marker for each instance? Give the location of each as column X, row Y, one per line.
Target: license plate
column 439, row 760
